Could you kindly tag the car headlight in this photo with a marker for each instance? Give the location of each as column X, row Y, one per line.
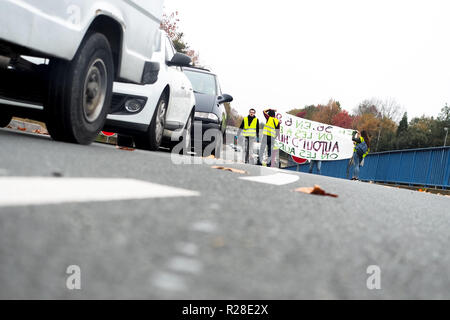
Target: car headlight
column 134, row 105
column 207, row 115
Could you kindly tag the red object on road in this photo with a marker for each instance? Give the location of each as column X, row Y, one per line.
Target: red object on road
column 108, row 134
column 299, row 160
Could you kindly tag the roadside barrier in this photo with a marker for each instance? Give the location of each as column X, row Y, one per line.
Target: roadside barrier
column 428, row 167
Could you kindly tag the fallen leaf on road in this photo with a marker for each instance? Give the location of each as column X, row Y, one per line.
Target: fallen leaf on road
column 218, row 243
column 125, row 148
column 22, row 129
column 230, row 169
column 317, row 190
column 210, row 157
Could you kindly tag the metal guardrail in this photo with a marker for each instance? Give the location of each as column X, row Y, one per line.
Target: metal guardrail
column 428, row 167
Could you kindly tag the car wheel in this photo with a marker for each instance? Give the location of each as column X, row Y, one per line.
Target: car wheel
column 153, row 138
column 184, row 145
column 5, row 119
column 218, row 146
column 80, row 92
column 187, row 136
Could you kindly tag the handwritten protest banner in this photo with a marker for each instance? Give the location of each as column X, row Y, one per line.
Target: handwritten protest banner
column 313, row 140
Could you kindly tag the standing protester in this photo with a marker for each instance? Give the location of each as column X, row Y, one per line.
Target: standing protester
column 313, row 163
column 361, row 150
column 269, row 135
column 250, row 129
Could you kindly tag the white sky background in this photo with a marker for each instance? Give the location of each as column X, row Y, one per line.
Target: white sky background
column 291, row 53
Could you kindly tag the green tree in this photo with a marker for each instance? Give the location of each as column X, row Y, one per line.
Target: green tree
column 445, row 113
column 234, row 119
column 403, row 125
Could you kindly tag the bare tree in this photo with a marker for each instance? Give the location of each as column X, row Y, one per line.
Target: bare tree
column 391, row 109
column 388, row 108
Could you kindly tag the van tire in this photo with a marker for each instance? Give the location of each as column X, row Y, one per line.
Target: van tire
column 80, row 92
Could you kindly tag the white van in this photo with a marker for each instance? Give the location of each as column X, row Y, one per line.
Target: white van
column 89, row 44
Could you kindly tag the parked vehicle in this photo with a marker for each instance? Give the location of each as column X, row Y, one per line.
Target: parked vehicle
column 210, row 113
column 89, row 44
column 152, row 113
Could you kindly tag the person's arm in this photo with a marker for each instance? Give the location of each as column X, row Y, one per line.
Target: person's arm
column 257, row 129
column 357, row 140
column 266, row 114
column 240, row 129
column 365, row 154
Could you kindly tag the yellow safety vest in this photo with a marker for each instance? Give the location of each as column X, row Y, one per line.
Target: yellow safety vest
column 354, row 147
column 269, row 127
column 250, row 130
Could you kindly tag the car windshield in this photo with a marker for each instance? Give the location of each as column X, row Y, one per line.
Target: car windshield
column 202, row 82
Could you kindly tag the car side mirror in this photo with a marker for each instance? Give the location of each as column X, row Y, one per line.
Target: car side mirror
column 180, row 60
column 224, row 98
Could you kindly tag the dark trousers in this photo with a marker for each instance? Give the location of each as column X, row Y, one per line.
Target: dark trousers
column 313, row 163
column 248, row 148
column 267, row 142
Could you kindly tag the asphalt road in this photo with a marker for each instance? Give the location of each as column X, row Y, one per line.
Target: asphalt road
column 235, row 239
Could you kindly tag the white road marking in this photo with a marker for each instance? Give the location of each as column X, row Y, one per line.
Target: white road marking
column 204, row 226
column 23, row 191
column 273, row 169
column 278, row 179
column 186, row 248
column 170, row 282
column 188, row 265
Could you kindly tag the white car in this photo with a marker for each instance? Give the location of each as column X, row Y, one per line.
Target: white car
column 161, row 111
column 89, row 43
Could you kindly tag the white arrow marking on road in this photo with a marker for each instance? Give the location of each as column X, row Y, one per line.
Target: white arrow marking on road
column 187, row 265
column 24, row 191
column 204, row 226
column 278, row 179
column 169, row 282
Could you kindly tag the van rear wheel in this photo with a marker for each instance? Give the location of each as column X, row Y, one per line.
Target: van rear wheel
column 80, row 92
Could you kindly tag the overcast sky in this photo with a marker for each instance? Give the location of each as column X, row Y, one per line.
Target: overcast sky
column 291, row 53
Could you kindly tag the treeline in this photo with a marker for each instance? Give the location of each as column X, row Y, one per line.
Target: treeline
column 170, row 25
column 234, row 119
column 383, row 120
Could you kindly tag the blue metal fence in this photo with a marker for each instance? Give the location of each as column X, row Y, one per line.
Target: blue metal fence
column 423, row 167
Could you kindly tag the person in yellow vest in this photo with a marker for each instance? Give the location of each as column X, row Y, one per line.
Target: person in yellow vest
column 250, row 129
column 360, row 151
column 269, row 135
